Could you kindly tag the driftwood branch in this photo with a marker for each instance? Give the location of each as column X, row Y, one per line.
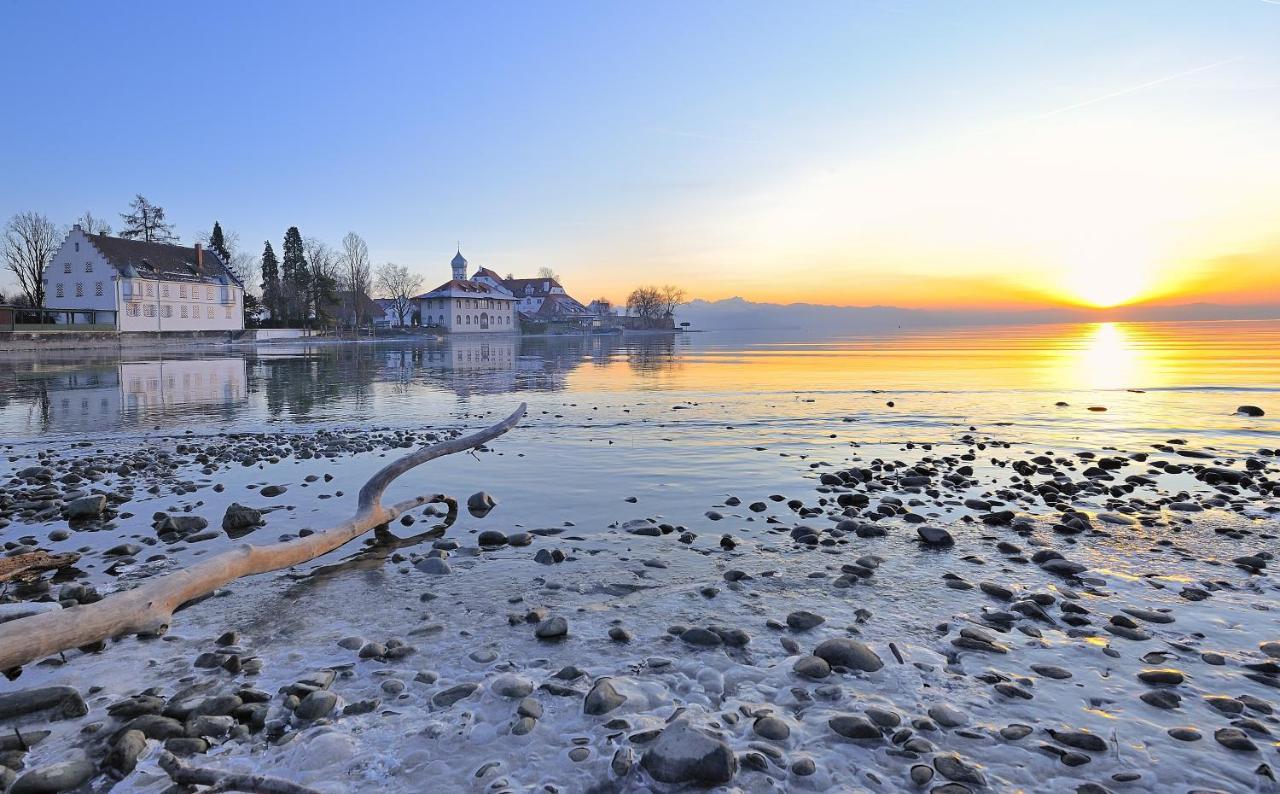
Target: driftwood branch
column 32, row 563
column 186, row 775
column 148, row 608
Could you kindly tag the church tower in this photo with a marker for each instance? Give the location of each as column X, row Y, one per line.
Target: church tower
column 459, row 266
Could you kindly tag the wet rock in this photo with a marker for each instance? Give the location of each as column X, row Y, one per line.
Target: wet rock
column 853, row 726
column 1235, row 739
column 84, row 508
column 433, row 565
column 492, row 537
column 61, row 776
column 602, row 699
column 1251, row 410
column 238, row 518
column 1161, row 677
column 947, row 716
column 701, row 637
column 124, row 753
column 480, row 504
column 803, row 620
column 953, row 767
column 769, row 727
column 850, row 653
column 50, row 703
column 511, row 686
column 684, row 754
column 551, row 629
column 935, row 536
column 319, row 703
column 446, row 698
column 812, row 667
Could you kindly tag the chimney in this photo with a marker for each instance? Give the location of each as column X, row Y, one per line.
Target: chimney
column 199, row 260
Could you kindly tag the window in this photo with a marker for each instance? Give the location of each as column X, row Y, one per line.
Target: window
column 151, row 290
column 166, row 311
column 88, row 267
column 228, row 312
column 208, row 295
column 149, row 310
column 131, row 310
column 66, row 267
column 183, row 312
column 77, row 248
column 210, row 312
column 459, row 319
column 60, row 291
column 164, row 291
column 79, row 289
column 97, row 289
column 468, row 319
column 182, row 290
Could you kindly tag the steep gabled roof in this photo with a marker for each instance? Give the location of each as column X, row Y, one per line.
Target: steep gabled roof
column 457, row 286
column 558, row 305
column 137, row 258
column 541, row 286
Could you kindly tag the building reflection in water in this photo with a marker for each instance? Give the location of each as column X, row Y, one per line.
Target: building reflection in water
column 102, row 396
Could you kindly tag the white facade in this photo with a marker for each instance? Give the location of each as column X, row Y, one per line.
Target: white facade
column 463, row 305
column 468, row 312
column 82, row 277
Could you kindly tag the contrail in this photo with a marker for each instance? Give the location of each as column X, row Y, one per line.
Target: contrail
column 1141, row 86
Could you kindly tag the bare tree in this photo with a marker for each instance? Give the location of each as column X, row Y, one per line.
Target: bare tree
column 546, row 272
column 645, row 303
column 29, row 243
column 325, row 274
column 145, row 221
column 356, row 274
column 672, row 296
column 398, row 284
column 93, row 225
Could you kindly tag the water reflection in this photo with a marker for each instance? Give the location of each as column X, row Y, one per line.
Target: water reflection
column 1032, row 368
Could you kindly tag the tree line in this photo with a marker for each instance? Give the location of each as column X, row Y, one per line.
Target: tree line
column 654, row 304
column 311, row 284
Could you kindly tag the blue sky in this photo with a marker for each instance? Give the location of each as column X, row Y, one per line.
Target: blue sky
column 614, row 142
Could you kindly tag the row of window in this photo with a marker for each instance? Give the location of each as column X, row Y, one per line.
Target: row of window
column 132, row 287
column 166, row 311
column 466, row 319
column 66, row 267
column 60, row 290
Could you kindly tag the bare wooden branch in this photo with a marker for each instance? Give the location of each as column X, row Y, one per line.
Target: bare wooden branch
column 24, row 566
column 149, row 608
column 217, row 780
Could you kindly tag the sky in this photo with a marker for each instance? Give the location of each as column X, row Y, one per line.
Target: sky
column 919, row 154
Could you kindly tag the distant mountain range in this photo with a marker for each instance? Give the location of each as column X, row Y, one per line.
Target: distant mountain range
column 739, row 313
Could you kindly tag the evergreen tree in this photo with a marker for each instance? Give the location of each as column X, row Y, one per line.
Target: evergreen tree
column 271, row 284
column 218, row 243
column 293, row 277
column 145, row 221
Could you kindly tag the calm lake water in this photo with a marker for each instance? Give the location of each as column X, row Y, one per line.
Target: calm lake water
column 692, row 430
column 1154, row 379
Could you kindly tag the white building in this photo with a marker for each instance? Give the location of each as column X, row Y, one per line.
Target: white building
column 462, row 305
column 141, row 286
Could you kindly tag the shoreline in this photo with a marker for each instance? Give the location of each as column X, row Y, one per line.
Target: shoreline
column 838, row 633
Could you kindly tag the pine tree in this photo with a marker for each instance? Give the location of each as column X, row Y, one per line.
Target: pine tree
column 218, row 243
column 271, row 284
column 293, row 277
column 146, row 222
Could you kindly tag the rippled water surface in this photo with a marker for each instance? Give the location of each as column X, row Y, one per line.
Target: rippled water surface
column 1153, row 379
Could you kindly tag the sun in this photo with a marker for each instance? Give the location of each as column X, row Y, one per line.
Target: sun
column 1108, row 274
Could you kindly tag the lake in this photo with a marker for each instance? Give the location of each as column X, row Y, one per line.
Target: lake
column 726, row 445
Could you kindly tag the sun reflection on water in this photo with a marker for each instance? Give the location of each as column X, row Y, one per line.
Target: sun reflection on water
column 1109, row 358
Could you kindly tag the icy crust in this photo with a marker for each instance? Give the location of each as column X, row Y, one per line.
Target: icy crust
column 443, row 717
column 408, row 743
